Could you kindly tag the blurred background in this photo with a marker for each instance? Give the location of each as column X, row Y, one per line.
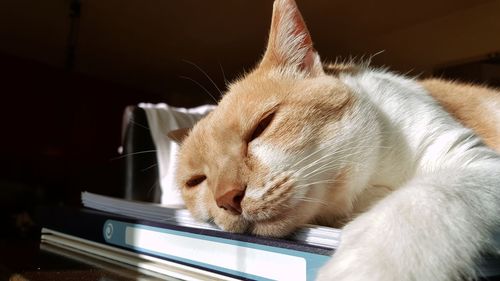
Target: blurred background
column 68, row 69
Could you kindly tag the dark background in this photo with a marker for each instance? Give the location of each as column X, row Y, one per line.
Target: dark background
column 68, row 68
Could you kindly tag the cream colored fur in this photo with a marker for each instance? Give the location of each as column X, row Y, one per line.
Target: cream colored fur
column 418, row 192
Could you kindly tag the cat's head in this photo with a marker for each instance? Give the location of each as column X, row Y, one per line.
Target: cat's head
column 276, row 150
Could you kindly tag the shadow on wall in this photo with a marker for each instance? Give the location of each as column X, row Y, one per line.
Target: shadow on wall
column 69, row 68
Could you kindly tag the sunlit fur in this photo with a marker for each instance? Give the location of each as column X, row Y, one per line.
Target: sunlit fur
column 418, row 191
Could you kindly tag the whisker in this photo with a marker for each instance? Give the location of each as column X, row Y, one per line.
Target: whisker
column 316, row 161
column 317, row 182
column 223, row 74
column 204, row 73
column 326, row 157
column 132, row 153
column 139, row 124
column 343, row 148
column 201, row 86
column 155, row 185
column 149, row 167
column 310, row 155
column 312, row 200
column 338, row 163
column 307, row 157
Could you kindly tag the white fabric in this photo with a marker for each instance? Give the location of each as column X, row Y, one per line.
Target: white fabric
column 162, row 119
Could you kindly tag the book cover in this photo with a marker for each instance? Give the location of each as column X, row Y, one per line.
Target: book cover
column 233, row 255
column 154, row 236
column 310, row 234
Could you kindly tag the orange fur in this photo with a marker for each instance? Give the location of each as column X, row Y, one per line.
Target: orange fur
column 474, row 106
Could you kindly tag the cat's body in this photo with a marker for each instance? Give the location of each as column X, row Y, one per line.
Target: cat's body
column 475, row 107
column 290, row 144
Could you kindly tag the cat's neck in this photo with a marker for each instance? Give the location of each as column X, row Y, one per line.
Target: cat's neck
column 400, row 105
column 415, row 135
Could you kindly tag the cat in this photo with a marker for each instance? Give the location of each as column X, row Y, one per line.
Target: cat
column 410, row 168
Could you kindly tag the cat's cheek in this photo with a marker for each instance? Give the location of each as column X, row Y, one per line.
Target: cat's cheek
column 197, row 201
column 268, row 202
column 270, row 156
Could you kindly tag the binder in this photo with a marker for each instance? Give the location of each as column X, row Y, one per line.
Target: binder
column 204, row 251
column 170, row 242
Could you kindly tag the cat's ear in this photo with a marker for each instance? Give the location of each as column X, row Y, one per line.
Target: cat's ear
column 290, row 44
column 178, row 135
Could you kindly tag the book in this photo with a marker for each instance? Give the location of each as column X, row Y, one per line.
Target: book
column 310, row 234
column 175, row 241
column 131, row 260
column 172, row 243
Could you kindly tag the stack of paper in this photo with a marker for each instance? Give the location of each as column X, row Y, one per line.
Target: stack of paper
column 310, row 234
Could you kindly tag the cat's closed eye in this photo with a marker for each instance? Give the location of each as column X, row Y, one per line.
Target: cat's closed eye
column 195, row 180
column 262, row 126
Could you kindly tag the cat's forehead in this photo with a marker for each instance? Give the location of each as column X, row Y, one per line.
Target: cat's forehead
column 245, row 103
column 257, row 88
column 248, row 100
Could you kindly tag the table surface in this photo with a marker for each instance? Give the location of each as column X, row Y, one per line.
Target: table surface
column 25, row 259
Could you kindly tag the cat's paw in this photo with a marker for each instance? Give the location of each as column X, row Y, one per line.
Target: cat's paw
column 348, row 266
column 361, row 256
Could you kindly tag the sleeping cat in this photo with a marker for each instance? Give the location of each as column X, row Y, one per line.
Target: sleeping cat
column 416, row 188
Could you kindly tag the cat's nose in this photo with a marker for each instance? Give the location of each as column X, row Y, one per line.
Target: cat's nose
column 231, row 200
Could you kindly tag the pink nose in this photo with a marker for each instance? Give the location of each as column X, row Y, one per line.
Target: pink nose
column 231, row 200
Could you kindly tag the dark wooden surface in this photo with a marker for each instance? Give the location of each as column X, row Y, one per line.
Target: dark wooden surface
column 27, row 259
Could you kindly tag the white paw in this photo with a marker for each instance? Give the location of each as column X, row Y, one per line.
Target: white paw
column 361, row 256
column 350, row 266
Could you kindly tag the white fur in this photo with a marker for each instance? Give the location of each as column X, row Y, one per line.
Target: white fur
column 277, row 161
column 446, row 199
column 427, row 189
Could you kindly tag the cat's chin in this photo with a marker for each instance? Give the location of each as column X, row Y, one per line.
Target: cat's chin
column 274, row 223
column 231, row 223
column 273, row 228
